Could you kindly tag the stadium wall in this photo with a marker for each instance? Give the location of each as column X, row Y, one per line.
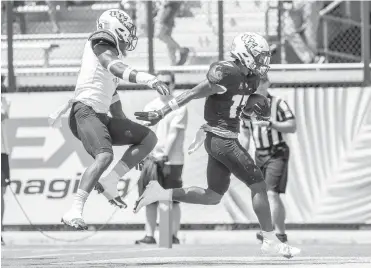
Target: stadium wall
column 329, row 172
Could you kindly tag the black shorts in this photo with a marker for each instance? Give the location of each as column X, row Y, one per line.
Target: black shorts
column 226, row 157
column 5, row 171
column 98, row 132
column 173, row 179
column 275, row 168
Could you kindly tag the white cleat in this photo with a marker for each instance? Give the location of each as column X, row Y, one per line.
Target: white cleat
column 277, row 248
column 153, row 193
column 74, row 219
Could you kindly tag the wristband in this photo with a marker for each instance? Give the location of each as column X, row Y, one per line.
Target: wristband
column 126, row 74
column 173, row 104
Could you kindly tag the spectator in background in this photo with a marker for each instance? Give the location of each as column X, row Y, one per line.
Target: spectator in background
column 5, row 173
column 164, row 27
column 4, row 88
column 166, row 161
column 300, row 26
column 272, row 152
column 52, row 11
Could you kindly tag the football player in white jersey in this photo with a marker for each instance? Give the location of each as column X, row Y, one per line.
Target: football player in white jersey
column 95, row 96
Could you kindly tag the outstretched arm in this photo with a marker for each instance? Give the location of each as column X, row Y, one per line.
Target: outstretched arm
column 202, row 90
column 216, row 83
column 107, row 55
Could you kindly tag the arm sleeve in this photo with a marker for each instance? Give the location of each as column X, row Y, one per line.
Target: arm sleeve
column 284, row 111
column 181, row 118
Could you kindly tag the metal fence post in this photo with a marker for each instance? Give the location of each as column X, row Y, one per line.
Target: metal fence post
column 365, row 11
column 11, row 77
column 150, row 29
column 221, row 29
column 280, row 34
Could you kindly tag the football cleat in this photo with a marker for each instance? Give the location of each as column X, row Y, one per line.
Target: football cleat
column 278, row 248
column 75, row 220
column 281, row 237
column 153, row 193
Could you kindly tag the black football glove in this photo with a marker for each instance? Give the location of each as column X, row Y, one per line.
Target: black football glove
column 257, row 106
column 153, row 117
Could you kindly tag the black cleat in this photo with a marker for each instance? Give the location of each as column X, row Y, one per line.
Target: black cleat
column 148, row 240
column 118, row 202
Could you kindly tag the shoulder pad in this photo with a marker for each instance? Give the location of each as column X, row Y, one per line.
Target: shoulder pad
column 221, row 72
column 103, row 35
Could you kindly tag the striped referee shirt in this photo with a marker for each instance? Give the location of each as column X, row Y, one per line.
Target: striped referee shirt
column 266, row 137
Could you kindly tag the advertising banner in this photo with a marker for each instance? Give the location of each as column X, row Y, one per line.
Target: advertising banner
column 329, row 171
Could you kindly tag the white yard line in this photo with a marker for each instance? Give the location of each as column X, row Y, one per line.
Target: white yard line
column 88, row 253
column 230, row 260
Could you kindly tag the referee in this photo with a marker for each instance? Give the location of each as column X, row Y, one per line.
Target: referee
column 272, row 152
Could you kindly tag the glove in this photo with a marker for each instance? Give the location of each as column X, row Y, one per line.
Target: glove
column 153, row 117
column 257, row 106
column 159, row 86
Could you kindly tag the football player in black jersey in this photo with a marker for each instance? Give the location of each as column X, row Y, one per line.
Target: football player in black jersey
column 228, row 87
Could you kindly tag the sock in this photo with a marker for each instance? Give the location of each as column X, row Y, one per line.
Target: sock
column 79, row 201
column 121, row 168
column 110, row 182
column 270, row 236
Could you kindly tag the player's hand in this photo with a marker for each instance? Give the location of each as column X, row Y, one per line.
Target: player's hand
column 257, row 106
column 160, row 87
column 152, row 117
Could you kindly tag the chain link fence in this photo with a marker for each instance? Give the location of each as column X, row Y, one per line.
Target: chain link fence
column 50, row 35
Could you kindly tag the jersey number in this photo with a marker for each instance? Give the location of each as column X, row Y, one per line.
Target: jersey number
column 236, row 103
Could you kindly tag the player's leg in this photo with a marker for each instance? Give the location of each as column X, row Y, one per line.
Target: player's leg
column 90, row 128
column 276, row 179
column 243, row 167
column 142, row 140
column 218, row 178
